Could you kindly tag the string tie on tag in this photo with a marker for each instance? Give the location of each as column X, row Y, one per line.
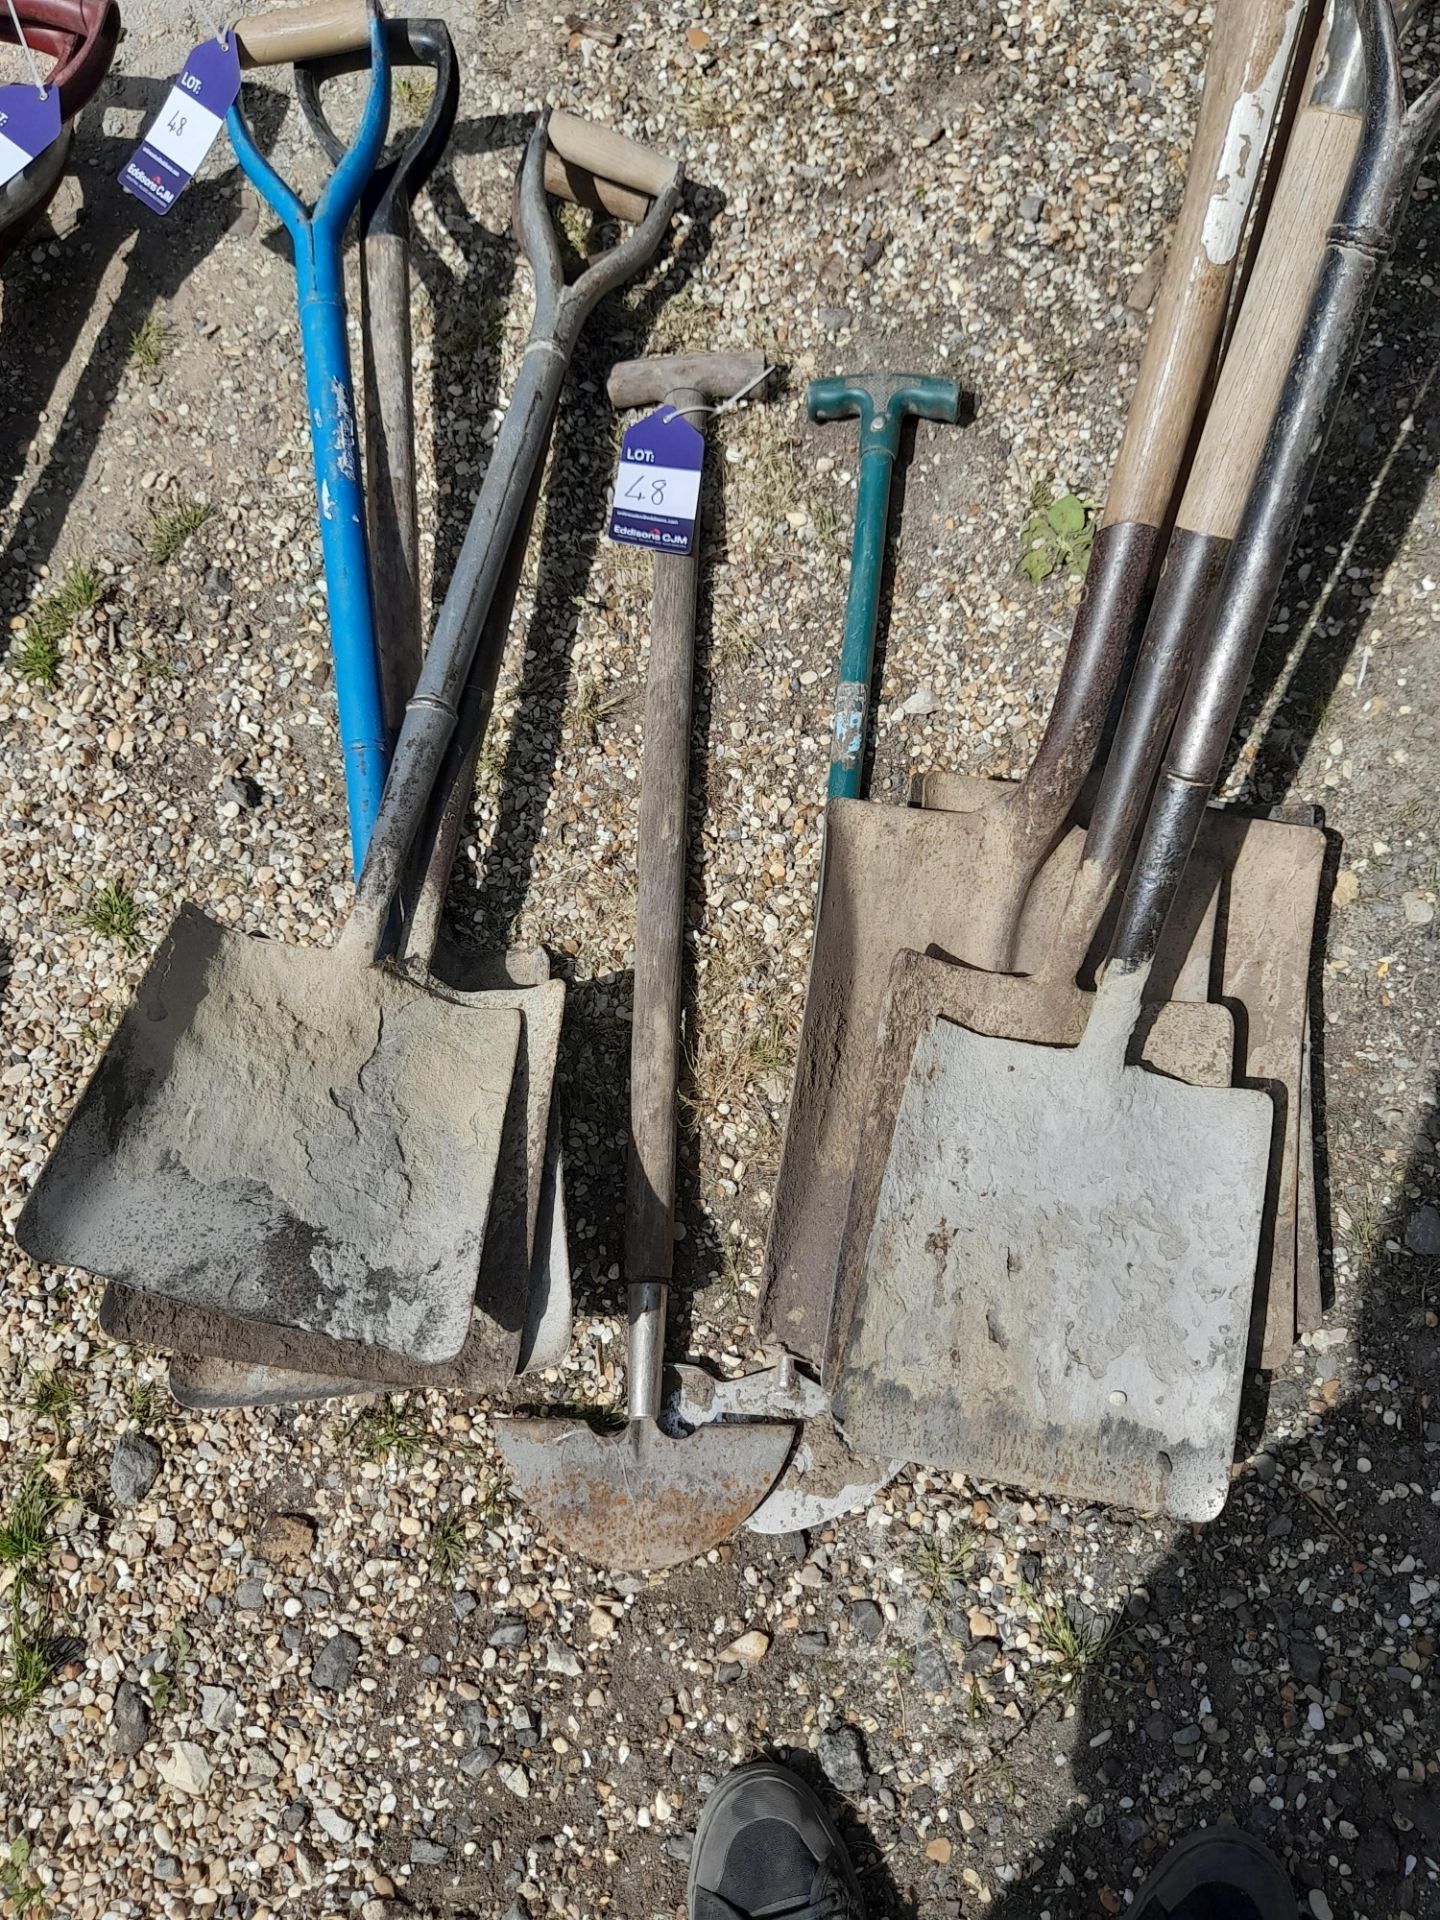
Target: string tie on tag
column 29, row 51
column 679, row 413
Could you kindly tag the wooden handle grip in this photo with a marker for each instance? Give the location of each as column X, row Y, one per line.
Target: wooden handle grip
column 591, row 190
column 1251, row 45
column 1317, row 165
column 303, row 33
column 647, row 383
column 613, row 155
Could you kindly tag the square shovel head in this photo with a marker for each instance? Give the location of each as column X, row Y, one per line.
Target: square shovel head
column 1056, row 1271
column 278, row 1133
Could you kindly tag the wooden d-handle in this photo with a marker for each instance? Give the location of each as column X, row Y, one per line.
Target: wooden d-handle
column 303, row 33
column 606, row 171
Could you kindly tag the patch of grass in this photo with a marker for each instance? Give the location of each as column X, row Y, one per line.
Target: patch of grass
column 51, row 1398
column 940, row 1560
column 389, row 1430
column 50, row 621
column 149, row 343
column 25, row 1541
column 1078, row 1642
column 1059, row 533
column 145, row 1403
column 591, row 707
column 448, row 1552
column 20, row 1892
column 171, row 527
column 114, row 914
column 25, row 1535
column 412, row 93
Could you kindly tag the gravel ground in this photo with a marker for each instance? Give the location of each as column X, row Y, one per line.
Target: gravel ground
column 319, row 1663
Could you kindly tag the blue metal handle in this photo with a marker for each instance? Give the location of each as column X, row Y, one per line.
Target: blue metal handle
column 320, row 285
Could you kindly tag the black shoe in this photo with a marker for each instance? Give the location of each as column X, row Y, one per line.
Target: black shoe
column 766, row 1846
column 1221, row 1873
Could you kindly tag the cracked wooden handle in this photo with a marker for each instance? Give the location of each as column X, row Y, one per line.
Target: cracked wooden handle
column 597, row 167
column 303, row 33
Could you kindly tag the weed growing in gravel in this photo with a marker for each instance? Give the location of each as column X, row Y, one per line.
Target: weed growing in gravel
column 167, row 1683
column 412, row 94
column 145, row 1403
column 171, row 527
column 391, row 1428
column 25, row 1534
column 114, row 914
column 49, row 621
column 149, row 343
column 20, row 1893
column 51, row 1398
column 940, row 1560
column 25, row 1541
column 1059, row 533
column 448, row 1552
column 591, row 707
column 1077, row 1641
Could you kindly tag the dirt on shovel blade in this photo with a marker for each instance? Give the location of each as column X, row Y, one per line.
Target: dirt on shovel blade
column 275, row 1134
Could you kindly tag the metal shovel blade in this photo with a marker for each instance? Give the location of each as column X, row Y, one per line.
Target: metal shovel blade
column 823, row 1480
column 497, row 1335
column 277, row 1135
column 1052, row 1263
column 639, row 1500
column 898, row 878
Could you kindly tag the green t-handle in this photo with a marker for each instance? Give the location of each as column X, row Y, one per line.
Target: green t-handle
column 880, row 401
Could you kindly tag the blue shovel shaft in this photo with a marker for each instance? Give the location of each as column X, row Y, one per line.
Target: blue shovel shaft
column 320, row 285
column 344, row 546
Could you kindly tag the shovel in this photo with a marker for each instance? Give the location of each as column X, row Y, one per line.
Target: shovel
column 640, row 1499
column 302, row 1137
column 958, row 883
column 251, row 1362
column 1050, row 1251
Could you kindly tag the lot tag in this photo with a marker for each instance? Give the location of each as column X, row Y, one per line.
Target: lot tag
column 29, row 122
column 186, row 127
column 657, row 490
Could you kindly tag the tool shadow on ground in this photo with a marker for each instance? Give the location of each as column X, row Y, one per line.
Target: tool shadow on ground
column 1271, row 1663
column 883, row 1899
column 1272, row 1666
column 1380, row 464
column 48, row 302
column 889, row 567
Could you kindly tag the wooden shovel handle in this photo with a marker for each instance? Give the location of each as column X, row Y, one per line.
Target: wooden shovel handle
column 1251, row 46
column 597, row 167
column 1317, row 165
column 303, row 33
column 660, row 859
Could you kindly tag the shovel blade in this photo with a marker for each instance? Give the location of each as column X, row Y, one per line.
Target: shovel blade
column 276, row 1133
column 1053, row 1283
column 638, row 1500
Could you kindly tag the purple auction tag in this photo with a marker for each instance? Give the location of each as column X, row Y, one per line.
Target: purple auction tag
column 29, row 122
column 657, row 490
column 186, row 127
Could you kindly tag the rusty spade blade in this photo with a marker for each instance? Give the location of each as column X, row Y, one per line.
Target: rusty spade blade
column 639, row 1500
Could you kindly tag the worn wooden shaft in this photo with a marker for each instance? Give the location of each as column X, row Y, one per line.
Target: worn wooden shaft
column 660, row 911
column 390, row 503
